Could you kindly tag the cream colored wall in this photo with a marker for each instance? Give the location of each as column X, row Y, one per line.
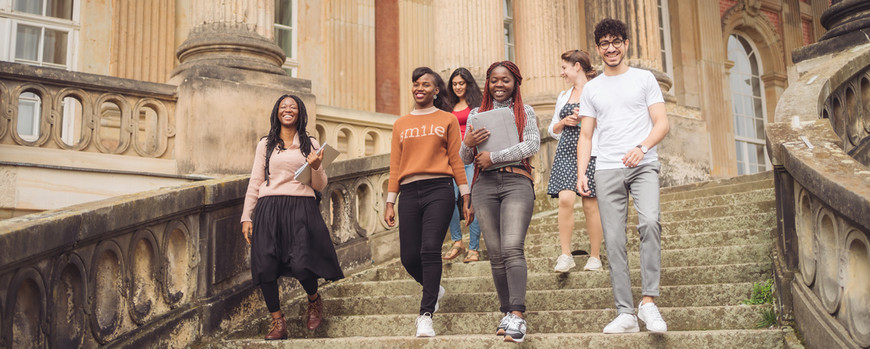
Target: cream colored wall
column 417, row 29
column 95, row 37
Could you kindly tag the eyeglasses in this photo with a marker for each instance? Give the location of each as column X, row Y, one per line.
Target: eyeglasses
column 616, row 44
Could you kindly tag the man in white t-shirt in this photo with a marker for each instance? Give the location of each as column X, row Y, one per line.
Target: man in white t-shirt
column 626, row 108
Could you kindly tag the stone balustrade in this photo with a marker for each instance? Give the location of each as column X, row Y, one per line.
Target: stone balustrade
column 818, row 145
column 58, row 109
column 354, row 133
column 165, row 267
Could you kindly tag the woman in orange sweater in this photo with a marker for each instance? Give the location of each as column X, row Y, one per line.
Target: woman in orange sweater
column 281, row 220
column 424, row 161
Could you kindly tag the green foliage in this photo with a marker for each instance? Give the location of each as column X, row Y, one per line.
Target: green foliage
column 768, row 318
column 762, row 293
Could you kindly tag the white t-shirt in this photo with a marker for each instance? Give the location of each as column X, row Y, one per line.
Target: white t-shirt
column 620, row 105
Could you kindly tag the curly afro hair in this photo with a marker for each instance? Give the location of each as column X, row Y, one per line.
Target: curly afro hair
column 610, row 26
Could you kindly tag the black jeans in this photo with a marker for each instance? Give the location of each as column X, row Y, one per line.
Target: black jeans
column 425, row 209
column 270, row 292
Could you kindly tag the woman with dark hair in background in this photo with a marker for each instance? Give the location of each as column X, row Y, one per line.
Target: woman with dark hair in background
column 576, row 70
column 504, row 196
column 281, row 219
column 424, row 162
column 463, row 94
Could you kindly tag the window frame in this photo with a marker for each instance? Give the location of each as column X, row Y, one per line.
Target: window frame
column 510, row 37
column 665, row 32
column 753, row 57
column 10, row 20
column 291, row 63
column 35, row 118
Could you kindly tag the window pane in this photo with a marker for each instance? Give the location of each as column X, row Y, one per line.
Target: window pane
column 740, row 158
column 55, row 47
column 59, row 9
column 27, row 42
column 284, row 39
column 284, row 12
column 71, row 132
column 29, row 6
column 29, row 108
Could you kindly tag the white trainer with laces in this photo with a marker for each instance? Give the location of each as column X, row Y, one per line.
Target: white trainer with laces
column 651, row 317
column 564, row 263
column 515, row 331
column 441, row 292
column 592, row 264
column 624, row 323
column 502, row 324
column 424, row 326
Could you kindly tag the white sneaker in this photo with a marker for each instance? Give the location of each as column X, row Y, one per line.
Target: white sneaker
column 564, row 263
column 515, row 331
column 502, row 325
column 592, row 264
column 424, row 326
column 441, row 292
column 649, row 314
column 624, row 323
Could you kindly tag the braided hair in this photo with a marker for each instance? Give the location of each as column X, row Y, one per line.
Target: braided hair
column 517, row 105
column 273, row 139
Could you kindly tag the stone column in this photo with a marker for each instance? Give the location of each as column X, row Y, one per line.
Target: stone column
column 545, row 29
column 142, row 40
column 231, row 33
column 470, row 36
column 228, row 81
column 387, row 59
column 848, row 24
column 642, row 18
column 418, row 28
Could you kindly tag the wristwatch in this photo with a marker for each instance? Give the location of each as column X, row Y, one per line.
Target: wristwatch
column 643, row 148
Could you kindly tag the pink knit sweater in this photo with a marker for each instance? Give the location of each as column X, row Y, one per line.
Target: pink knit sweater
column 282, row 168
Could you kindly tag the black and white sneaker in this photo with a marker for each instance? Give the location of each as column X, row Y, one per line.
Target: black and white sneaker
column 515, row 330
column 502, row 324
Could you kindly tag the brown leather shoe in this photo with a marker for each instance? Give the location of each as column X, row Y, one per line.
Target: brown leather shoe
column 279, row 329
column 315, row 313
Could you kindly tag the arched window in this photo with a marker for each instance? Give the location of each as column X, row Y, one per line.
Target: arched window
column 747, row 106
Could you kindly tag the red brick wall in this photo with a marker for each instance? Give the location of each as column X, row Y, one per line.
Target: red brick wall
column 807, row 31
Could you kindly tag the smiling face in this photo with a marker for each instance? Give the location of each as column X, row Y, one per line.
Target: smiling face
column 611, row 54
column 570, row 71
column 458, row 86
column 501, row 84
column 288, row 112
column 424, row 91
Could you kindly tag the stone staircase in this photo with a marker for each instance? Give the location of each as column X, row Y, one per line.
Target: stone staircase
column 715, row 243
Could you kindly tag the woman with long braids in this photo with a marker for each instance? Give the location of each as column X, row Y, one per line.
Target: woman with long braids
column 503, row 196
column 463, row 94
column 576, row 70
column 424, row 162
column 281, row 219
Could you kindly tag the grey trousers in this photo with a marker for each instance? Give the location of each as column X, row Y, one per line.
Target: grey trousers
column 503, row 204
column 614, row 186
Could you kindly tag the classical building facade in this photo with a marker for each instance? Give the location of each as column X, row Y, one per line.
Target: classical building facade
column 103, row 98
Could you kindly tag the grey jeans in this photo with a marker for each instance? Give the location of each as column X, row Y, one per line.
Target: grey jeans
column 503, row 204
column 614, row 186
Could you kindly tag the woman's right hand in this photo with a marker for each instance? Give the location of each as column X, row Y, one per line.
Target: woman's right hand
column 247, row 229
column 474, row 137
column 390, row 215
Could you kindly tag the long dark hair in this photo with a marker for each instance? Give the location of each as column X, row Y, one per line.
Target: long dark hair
column 273, row 139
column 472, row 92
column 440, row 101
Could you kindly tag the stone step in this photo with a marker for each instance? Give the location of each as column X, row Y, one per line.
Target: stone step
column 716, row 188
column 580, row 240
column 672, row 339
column 565, row 299
column 738, row 254
column 369, row 285
column 760, row 221
column 686, row 214
column 736, row 199
column 484, row 323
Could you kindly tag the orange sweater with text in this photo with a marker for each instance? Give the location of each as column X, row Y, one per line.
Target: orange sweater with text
column 425, row 144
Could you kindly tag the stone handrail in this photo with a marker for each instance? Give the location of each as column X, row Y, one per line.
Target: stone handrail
column 109, row 115
column 165, row 267
column 818, row 145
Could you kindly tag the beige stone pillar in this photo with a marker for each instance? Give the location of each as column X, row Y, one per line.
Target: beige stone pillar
column 417, row 31
column 470, row 36
column 231, row 33
column 642, row 18
column 545, row 29
column 143, row 39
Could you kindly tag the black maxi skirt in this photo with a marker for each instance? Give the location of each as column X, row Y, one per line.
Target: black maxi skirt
column 290, row 238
